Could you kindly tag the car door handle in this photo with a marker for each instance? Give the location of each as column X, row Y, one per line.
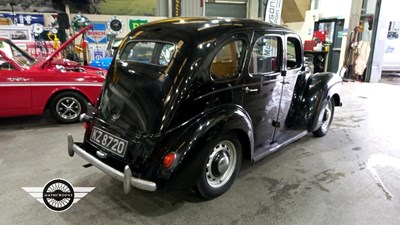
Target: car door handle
column 248, row 90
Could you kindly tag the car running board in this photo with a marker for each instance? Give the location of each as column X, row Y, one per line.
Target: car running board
column 294, row 135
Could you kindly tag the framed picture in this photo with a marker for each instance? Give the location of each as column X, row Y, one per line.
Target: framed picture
column 16, row 34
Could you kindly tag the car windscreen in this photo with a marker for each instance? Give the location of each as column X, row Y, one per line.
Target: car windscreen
column 13, row 52
column 148, row 52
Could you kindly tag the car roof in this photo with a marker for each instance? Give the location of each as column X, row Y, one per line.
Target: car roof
column 211, row 23
column 198, row 29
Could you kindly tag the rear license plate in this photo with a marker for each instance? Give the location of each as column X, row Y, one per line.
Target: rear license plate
column 108, row 141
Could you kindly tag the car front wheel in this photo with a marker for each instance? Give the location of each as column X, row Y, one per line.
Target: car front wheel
column 66, row 107
column 327, row 117
column 221, row 166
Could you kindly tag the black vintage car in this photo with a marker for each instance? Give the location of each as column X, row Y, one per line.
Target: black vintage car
column 187, row 99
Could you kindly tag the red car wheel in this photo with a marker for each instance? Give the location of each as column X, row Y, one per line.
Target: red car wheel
column 66, row 107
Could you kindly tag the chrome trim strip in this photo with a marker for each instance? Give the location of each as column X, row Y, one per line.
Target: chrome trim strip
column 16, row 84
column 47, row 84
column 95, row 84
column 125, row 177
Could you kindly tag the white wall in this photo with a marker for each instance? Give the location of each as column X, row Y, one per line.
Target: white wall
column 370, row 7
column 389, row 12
column 305, row 29
column 334, row 8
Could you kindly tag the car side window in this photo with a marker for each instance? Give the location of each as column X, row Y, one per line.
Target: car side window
column 265, row 56
column 226, row 63
column 293, row 59
column 166, row 54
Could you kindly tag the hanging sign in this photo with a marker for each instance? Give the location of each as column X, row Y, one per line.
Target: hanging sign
column 115, row 25
column 98, row 55
column 79, row 21
column 176, row 8
column 98, row 34
column 133, row 23
column 26, row 19
column 273, row 11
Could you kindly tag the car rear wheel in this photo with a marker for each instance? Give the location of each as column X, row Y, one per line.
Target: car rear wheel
column 66, row 107
column 327, row 117
column 221, row 166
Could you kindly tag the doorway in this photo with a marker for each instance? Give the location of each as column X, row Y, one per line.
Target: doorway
column 334, row 34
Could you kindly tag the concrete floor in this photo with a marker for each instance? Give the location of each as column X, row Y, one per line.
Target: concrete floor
column 351, row 176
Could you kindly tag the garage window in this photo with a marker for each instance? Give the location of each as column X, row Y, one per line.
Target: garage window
column 226, row 63
column 265, row 56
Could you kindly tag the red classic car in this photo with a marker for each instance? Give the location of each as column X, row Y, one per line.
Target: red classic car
column 29, row 86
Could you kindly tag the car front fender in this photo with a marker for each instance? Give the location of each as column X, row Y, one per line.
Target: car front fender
column 320, row 88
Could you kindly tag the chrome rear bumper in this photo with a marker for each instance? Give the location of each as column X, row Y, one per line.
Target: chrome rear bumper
column 125, row 177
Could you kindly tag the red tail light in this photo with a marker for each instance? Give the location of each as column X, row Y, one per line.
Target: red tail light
column 169, row 160
column 85, row 125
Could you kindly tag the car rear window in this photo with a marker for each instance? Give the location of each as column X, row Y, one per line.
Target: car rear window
column 148, row 52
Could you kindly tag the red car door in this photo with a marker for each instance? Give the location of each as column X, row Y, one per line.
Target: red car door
column 15, row 90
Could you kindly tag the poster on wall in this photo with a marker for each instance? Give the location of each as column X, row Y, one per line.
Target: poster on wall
column 97, row 52
column 273, row 11
column 98, row 34
column 98, row 55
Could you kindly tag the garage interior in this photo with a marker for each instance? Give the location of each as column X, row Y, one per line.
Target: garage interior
column 350, row 176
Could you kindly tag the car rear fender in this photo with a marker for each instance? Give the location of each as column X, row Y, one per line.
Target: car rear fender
column 320, row 88
column 189, row 145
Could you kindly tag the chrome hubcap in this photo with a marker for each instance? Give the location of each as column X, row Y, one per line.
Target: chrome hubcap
column 221, row 164
column 68, row 108
column 327, row 116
